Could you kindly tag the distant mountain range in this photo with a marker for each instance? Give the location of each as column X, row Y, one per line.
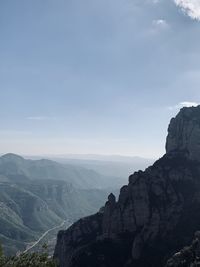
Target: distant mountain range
column 36, row 195
column 107, row 165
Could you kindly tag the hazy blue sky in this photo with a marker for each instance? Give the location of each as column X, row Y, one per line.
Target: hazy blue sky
column 95, row 76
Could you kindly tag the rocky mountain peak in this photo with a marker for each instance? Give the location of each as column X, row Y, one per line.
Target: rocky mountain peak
column 184, row 133
column 155, row 215
column 112, row 198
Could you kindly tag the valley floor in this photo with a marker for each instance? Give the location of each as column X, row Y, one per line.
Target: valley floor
column 49, row 238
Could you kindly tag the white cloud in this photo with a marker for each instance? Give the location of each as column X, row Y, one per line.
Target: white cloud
column 184, row 104
column 159, row 25
column 190, row 7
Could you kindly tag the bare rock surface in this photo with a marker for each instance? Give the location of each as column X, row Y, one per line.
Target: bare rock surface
column 156, row 214
column 184, row 133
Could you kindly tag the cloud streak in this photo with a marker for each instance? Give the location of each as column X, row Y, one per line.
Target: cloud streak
column 190, row 7
column 40, row 118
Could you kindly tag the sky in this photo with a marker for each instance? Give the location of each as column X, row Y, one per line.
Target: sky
column 95, row 76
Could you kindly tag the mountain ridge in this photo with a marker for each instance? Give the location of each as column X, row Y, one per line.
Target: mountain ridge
column 38, row 195
column 79, row 176
column 156, row 213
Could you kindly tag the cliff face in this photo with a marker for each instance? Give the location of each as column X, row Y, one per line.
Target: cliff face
column 156, row 214
column 184, row 133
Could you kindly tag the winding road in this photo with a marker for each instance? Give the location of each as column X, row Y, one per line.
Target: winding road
column 47, row 232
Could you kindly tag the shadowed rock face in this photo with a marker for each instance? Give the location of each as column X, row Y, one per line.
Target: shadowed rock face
column 157, row 212
column 188, row 256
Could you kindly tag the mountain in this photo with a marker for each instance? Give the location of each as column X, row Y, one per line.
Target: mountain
column 36, row 196
column 14, row 167
column 113, row 166
column 156, row 214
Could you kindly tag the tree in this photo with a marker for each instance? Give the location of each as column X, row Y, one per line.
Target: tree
column 30, row 260
column 1, row 250
column 27, row 260
column 2, row 258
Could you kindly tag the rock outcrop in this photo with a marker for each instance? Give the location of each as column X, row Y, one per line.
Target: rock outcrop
column 188, row 256
column 184, row 133
column 156, row 214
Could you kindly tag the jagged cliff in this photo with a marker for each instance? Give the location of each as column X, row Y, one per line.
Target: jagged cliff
column 184, row 133
column 156, row 214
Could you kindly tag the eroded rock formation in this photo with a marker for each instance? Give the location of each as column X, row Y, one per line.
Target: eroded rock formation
column 156, row 214
column 184, row 133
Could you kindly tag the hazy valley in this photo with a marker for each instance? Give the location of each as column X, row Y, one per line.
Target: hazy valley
column 37, row 195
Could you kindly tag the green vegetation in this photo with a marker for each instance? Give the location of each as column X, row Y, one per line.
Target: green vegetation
column 27, row 260
column 38, row 195
column 1, row 250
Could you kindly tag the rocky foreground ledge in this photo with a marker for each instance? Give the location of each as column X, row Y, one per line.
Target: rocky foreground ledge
column 188, row 256
column 156, row 214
